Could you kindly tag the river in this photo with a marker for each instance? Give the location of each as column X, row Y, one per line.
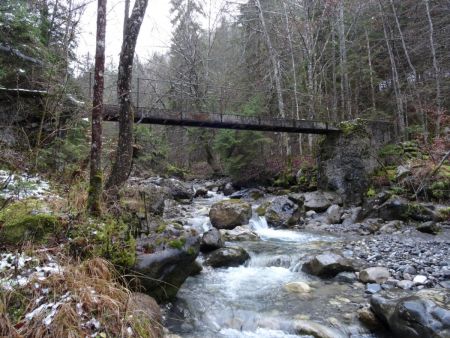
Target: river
column 251, row 301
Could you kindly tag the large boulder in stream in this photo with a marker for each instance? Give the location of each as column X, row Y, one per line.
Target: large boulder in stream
column 425, row 314
column 148, row 197
column 238, row 234
column 165, row 259
column 229, row 214
column 327, row 265
column 320, row 201
column 282, row 212
column 178, row 189
column 211, row 240
column 228, row 256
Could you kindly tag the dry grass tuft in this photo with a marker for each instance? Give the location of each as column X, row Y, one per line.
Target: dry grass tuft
column 81, row 300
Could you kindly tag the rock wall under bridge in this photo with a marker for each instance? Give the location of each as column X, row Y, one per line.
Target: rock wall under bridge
column 347, row 159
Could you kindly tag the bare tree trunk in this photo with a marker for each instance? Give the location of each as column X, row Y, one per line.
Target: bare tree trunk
column 294, row 73
column 395, row 80
column 436, row 69
column 346, row 106
column 411, row 67
column 372, row 84
column 125, row 17
column 276, row 72
column 333, row 64
column 124, row 157
column 96, row 174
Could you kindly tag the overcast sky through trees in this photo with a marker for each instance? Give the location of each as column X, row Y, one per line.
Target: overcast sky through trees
column 155, row 34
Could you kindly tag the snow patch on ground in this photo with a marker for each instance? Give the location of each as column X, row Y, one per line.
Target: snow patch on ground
column 18, row 270
column 21, row 186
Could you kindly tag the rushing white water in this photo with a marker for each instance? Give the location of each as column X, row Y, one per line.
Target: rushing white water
column 260, row 226
column 251, row 300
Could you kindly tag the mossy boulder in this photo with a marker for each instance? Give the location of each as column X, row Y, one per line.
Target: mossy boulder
column 398, row 208
column 165, row 259
column 229, row 214
column 261, row 210
column 25, row 221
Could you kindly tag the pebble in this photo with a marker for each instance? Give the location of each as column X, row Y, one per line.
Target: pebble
column 419, row 280
column 373, row 288
column 404, row 257
column 405, row 284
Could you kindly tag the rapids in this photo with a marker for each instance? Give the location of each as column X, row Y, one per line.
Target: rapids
column 250, row 300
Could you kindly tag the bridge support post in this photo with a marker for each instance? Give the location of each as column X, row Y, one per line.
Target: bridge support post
column 347, row 159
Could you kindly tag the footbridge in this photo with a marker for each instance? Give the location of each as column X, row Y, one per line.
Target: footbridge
column 222, row 121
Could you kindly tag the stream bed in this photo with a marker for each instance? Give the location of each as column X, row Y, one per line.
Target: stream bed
column 251, row 301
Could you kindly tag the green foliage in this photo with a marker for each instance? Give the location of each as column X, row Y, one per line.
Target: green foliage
column 177, row 243
column 175, row 171
column 254, row 107
column 108, row 238
column 390, row 150
column 66, row 153
column 161, row 228
column 241, row 151
column 115, row 244
column 23, row 221
column 440, row 189
column 444, row 213
column 397, row 191
column 371, row 192
column 152, row 149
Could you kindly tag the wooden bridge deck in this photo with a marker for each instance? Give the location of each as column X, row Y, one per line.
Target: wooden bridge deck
column 222, row 121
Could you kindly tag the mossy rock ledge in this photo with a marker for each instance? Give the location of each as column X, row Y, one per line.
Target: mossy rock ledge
column 20, row 223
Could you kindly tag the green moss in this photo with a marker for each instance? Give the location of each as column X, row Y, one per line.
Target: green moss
column 161, row 228
column 177, row 243
column 415, row 209
column 95, row 194
column 178, row 226
column 444, row 214
column 445, row 171
column 357, row 126
column 19, row 223
column 176, row 171
column 440, row 189
column 261, row 210
column 371, row 192
column 160, row 241
column 191, row 251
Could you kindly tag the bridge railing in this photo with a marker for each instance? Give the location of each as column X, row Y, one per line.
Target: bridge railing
column 155, row 95
column 199, row 118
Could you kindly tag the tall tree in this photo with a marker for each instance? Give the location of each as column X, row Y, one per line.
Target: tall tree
column 124, row 156
column 96, row 175
column 276, row 72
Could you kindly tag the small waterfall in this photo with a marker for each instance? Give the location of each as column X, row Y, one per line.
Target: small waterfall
column 260, row 226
